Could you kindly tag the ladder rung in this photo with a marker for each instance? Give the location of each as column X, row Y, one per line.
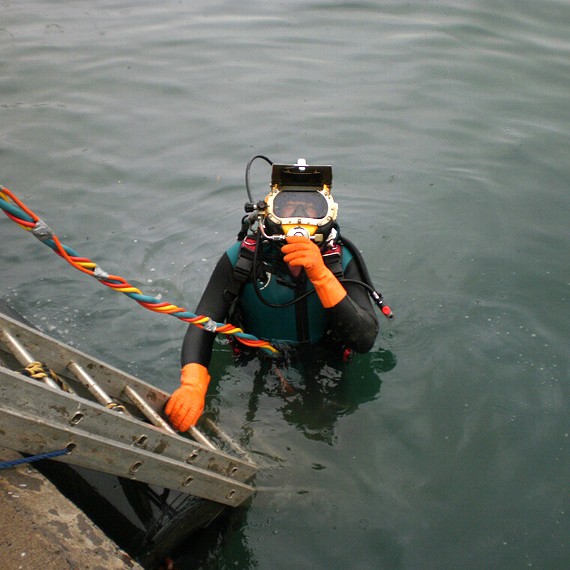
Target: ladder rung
column 60, row 411
column 88, row 382
column 156, row 420
column 19, row 352
column 201, row 438
column 146, row 410
column 223, row 435
column 23, row 356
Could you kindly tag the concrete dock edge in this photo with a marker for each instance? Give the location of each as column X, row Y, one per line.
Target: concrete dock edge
column 42, row 529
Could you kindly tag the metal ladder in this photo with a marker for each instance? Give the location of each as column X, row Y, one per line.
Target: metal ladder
column 107, row 420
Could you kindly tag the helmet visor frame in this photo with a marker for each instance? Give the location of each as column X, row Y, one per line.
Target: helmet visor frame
column 301, row 206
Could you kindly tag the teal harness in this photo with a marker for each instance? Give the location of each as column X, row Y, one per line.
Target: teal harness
column 304, row 321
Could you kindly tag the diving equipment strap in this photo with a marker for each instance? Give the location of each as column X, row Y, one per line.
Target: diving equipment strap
column 243, row 268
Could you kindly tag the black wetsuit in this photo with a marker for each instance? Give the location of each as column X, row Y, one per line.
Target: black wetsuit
column 352, row 322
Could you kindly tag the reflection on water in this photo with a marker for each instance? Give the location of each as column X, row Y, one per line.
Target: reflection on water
column 312, row 389
column 224, row 544
column 315, row 386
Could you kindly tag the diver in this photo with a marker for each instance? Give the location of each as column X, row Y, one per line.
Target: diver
column 290, row 278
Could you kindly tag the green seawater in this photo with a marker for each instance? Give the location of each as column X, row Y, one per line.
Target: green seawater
column 127, row 126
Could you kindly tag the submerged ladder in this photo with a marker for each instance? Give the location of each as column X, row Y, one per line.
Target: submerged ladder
column 106, row 419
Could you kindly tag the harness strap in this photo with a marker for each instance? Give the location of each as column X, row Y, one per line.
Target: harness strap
column 243, row 268
column 333, row 260
column 244, row 265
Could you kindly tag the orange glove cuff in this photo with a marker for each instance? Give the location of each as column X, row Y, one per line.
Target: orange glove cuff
column 195, row 374
column 329, row 289
column 186, row 404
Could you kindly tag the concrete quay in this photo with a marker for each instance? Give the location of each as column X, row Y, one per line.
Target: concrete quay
column 40, row 529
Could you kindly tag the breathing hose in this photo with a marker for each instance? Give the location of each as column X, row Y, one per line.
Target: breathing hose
column 366, row 282
column 18, row 212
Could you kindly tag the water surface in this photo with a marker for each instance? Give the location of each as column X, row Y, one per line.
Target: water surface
column 127, row 127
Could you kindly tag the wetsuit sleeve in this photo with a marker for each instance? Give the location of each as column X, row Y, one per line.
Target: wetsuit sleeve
column 354, row 319
column 197, row 344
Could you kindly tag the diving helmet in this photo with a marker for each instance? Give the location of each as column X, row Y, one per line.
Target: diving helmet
column 300, row 202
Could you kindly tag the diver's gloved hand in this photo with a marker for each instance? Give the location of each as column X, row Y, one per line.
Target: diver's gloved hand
column 302, row 252
column 186, row 404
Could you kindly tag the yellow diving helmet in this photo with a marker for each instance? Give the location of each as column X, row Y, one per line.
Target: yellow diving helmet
column 300, row 202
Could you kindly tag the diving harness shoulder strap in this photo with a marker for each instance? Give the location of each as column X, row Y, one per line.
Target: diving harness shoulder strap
column 243, row 268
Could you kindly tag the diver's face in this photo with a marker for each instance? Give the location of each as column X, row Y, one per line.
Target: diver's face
column 298, row 209
column 292, row 204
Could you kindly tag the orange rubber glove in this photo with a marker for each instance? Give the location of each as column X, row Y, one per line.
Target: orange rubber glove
column 186, row 404
column 302, row 252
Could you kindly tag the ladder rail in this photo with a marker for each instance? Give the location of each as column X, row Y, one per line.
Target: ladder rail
column 28, row 396
column 58, row 355
column 111, row 381
column 35, row 435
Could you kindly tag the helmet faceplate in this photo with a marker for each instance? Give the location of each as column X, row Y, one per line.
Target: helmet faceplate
column 300, row 197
